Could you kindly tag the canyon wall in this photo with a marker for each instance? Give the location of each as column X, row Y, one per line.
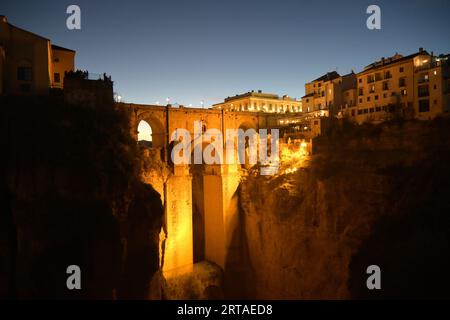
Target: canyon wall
column 71, row 195
column 370, row 195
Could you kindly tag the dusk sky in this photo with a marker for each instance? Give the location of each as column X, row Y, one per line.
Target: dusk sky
column 207, row 50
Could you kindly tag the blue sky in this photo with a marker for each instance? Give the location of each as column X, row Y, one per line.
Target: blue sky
column 196, row 50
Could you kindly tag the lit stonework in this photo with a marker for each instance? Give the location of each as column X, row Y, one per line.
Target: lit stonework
column 260, row 102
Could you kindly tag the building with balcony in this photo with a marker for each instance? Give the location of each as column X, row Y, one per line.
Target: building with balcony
column 260, row 102
column 29, row 63
column 413, row 86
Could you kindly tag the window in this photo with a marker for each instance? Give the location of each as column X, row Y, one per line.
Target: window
column 368, row 98
column 401, row 69
column 424, row 105
column 384, row 95
column 423, row 77
column 386, row 85
column 366, row 110
column 378, row 109
column 434, row 87
column 387, row 75
column 360, row 80
column 24, row 73
column 359, row 111
column 56, row 60
column 372, row 89
column 56, row 78
column 360, row 100
column 353, row 113
column 370, row 78
column 435, row 101
column 376, row 97
column 402, row 82
column 361, row 91
column 403, row 92
column 423, row 91
column 371, row 110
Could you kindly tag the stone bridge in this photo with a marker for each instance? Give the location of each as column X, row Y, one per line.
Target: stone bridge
column 199, row 200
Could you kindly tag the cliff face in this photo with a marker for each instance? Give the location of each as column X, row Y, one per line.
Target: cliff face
column 71, row 195
column 370, row 195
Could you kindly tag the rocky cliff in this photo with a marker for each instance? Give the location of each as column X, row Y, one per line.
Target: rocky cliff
column 71, row 195
column 370, row 195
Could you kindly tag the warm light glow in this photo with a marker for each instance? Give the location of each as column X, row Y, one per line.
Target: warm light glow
column 144, row 131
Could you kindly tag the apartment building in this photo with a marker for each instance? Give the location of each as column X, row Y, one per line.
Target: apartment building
column 329, row 92
column 29, row 63
column 413, row 86
column 260, row 102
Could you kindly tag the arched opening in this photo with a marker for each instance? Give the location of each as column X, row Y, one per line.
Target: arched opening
column 145, row 134
column 245, row 162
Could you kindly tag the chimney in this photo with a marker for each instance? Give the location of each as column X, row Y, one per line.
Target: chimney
column 420, row 49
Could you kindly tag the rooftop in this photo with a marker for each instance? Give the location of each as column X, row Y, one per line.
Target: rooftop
column 329, row 76
column 55, row 47
column 257, row 94
column 394, row 59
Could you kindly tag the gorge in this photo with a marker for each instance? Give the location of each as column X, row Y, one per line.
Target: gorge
column 78, row 189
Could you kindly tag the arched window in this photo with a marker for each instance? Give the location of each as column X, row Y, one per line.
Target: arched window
column 145, row 133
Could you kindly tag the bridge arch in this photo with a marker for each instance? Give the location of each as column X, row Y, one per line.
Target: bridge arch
column 158, row 132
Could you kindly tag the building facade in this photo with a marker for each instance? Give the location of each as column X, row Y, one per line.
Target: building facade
column 329, row 92
column 413, row 86
column 260, row 102
column 29, row 63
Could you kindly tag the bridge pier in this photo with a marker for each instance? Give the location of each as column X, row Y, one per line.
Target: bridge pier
column 178, row 246
column 221, row 209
